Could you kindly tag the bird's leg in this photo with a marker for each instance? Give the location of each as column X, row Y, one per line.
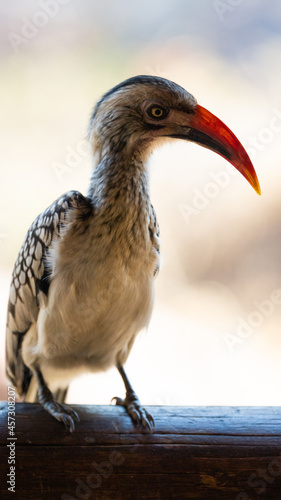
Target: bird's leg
column 132, row 404
column 61, row 412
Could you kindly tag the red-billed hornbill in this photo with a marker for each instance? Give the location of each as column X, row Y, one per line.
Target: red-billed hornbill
column 82, row 285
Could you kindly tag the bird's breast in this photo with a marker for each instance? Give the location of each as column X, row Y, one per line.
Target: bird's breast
column 99, row 303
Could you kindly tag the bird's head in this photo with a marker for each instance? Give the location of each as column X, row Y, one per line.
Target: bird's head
column 141, row 111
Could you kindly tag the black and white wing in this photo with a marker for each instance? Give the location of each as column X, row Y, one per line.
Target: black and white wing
column 31, row 276
column 154, row 235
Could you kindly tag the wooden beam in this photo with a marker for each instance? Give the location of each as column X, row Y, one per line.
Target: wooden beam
column 201, row 453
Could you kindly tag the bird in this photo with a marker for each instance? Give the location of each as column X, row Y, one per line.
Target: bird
column 82, row 287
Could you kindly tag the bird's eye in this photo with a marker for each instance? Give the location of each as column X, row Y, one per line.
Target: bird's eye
column 157, row 112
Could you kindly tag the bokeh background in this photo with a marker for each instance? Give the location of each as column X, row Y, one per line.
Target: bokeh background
column 214, row 338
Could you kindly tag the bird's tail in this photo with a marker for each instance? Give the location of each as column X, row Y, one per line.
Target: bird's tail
column 61, row 395
column 31, row 395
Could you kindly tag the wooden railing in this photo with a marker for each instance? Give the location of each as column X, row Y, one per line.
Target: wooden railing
column 206, row 453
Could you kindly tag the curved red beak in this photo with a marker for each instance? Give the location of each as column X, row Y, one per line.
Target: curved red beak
column 210, row 132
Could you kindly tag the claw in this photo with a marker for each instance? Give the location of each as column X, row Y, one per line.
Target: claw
column 118, row 401
column 71, row 412
column 68, row 422
column 63, row 413
column 147, row 421
column 60, row 411
column 138, row 414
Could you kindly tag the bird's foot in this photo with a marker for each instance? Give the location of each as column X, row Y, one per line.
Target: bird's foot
column 138, row 414
column 62, row 412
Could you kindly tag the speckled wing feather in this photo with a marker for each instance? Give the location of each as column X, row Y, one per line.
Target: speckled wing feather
column 30, row 277
column 154, row 234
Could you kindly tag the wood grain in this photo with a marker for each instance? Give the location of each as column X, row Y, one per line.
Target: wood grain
column 203, row 453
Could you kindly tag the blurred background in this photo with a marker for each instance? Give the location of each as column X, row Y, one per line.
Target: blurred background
column 214, row 337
